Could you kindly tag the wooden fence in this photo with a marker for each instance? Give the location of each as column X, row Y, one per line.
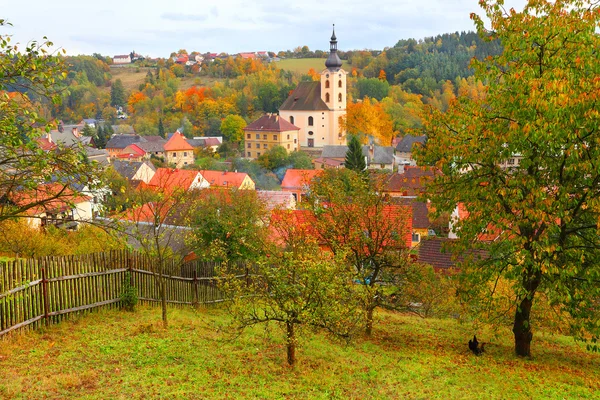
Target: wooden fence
column 45, row 290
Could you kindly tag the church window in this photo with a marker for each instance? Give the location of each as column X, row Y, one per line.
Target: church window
column 310, row 121
column 291, row 120
column 339, row 97
column 340, row 83
column 310, row 133
column 326, row 84
column 326, row 97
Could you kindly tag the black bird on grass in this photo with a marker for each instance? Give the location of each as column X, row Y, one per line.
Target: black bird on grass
column 475, row 347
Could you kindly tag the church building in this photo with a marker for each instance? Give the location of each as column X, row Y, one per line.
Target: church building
column 316, row 107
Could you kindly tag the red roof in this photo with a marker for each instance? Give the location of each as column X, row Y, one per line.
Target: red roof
column 271, row 123
column 177, row 142
column 44, row 194
column 248, row 55
column 132, row 151
column 299, row 178
column 45, row 144
column 224, row 178
column 169, row 179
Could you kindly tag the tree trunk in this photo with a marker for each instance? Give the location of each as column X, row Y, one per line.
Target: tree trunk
column 522, row 328
column 369, row 327
column 291, row 344
column 163, row 302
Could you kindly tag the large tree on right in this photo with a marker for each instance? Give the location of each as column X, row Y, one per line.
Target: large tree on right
column 524, row 163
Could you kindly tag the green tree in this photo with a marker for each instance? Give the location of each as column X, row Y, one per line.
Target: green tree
column 232, row 128
column 300, row 160
column 30, row 75
column 354, row 156
column 523, row 162
column 296, row 285
column 373, row 88
column 100, row 138
column 161, row 128
column 88, row 131
column 274, row 158
column 117, row 94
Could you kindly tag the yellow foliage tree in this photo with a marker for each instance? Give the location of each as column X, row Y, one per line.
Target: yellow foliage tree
column 366, row 120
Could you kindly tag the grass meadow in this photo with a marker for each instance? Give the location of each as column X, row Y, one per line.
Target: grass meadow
column 111, row 354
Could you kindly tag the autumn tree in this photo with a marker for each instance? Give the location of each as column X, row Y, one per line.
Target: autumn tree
column 522, row 160
column 29, row 75
column 232, row 128
column 366, row 120
column 353, row 217
column 354, row 156
column 295, row 285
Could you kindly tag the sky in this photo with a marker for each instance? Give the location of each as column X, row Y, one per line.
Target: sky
column 156, row 28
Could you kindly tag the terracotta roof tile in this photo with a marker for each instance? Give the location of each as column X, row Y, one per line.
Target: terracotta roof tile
column 271, row 123
column 306, row 97
column 177, row 142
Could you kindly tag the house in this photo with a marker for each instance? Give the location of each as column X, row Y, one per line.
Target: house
column 178, row 151
column 89, row 122
column 405, row 147
column 122, row 59
column 119, row 142
column 170, row 179
column 133, row 152
column 181, row 59
column 421, row 225
column 135, row 170
column 210, row 143
column 437, row 252
column 316, row 107
column 277, row 200
column 268, row 131
column 410, row 183
column 59, row 206
column 229, row 180
column 153, row 147
column 297, row 181
column 247, row 56
column 376, row 157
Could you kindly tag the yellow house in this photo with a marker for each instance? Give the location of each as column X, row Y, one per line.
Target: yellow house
column 268, row 131
column 178, row 151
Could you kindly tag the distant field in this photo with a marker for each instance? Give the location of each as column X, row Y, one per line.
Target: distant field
column 302, row 65
column 131, row 78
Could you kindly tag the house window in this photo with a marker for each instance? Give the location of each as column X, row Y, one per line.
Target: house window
column 258, row 145
column 416, row 237
column 291, row 120
column 339, row 97
column 295, row 141
column 288, row 137
column 257, row 154
column 264, row 137
column 382, row 166
column 185, row 163
column 265, row 146
column 511, row 161
column 249, row 154
column 327, row 84
column 274, row 137
column 340, row 83
column 185, row 153
column 174, row 155
column 326, row 97
column 248, row 136
column 249, row 145
column 258, row 136
column 311, row 121
column 288, row 146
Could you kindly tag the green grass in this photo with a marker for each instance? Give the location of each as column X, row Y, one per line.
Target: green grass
column 118, row 355
column 132, row 77
column 302, row 65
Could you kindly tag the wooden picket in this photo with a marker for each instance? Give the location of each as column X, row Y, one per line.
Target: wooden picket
column 35, row 292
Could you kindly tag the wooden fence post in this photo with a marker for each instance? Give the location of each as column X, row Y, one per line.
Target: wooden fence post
column 195, row 287
column 45, row 295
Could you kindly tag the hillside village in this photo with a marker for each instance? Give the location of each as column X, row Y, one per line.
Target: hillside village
column 451, row 181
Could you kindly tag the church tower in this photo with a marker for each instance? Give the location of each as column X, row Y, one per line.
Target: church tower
column 333, row 91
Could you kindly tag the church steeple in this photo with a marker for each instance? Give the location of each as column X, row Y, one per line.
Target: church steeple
column 333, row 61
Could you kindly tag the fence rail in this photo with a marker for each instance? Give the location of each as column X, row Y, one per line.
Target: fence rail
column 35, row 292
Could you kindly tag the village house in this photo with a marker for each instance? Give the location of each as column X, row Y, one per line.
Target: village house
column 405, row 147
column 228, row 180
column 122, row 59
column 316, row 107
column 178, row 151
column 117, row 143
column 135, row 170
column 277, row 199
column 133, row 152
column 409, row 183
column 171, row 179
column 268, row 131
column 297, row 181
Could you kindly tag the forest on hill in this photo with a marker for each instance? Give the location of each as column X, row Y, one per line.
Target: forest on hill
column 164, row 95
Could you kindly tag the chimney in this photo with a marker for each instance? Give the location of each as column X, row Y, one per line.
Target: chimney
column 49, row 137
column 75, row 132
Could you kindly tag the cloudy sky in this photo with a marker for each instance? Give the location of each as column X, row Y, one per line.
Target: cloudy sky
column 159, row 27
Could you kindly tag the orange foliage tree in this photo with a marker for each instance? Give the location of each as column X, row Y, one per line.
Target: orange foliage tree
column 366, row 120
